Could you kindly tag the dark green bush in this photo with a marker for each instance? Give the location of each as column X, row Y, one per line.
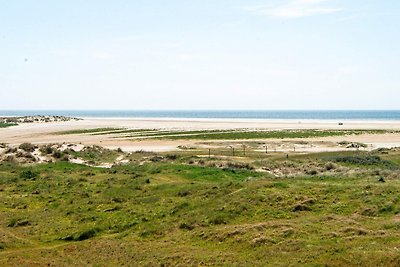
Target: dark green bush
column 217, row 220
column 361, row 160
column 86, row 234
column 57, row 154
column 17, row 223
column 29, row 175
column 46, row 150
column 312, row 172
column 186, row 226
column 28, row 147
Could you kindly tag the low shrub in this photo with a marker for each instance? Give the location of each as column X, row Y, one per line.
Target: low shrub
column 28, row 147
column 18, row 223
column 11, row 150
column 186, row 226
column 84, row 235
column 361, row 160
column 171, row 157
column 312, row 172
column 218, row 219
column 29, row 175
column 57, row 154
column 330, row 166
column 239, row 165
column 47, row 150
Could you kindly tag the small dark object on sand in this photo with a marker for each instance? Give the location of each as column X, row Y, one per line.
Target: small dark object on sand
column 382, row 180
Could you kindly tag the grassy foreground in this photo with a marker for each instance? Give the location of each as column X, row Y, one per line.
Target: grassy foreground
column 328, row 209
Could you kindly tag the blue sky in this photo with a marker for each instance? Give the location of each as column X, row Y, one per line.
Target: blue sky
column 200, row 54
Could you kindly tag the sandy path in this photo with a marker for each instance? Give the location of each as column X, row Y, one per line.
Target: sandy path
column 42, row 133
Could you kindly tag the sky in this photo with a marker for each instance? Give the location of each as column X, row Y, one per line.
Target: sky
column 199, row 54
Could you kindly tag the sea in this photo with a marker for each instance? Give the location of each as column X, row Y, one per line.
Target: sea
column 368, row 115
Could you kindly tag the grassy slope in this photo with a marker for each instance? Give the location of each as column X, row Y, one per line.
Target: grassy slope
column 172, row 213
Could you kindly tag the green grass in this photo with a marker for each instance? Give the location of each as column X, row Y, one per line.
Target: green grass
column 363, row 160
column 89, row 131
column 122, row 131
column 236, row 135
column 166, row 210
column 5, row 125
column 218, row 134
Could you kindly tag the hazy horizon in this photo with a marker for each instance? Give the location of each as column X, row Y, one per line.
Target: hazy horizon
column 380, row 115
column 200, row 55
column 207, row 110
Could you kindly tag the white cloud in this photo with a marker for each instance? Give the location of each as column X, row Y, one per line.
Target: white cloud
column 348, row 70
column 295, row 9
column 102, row 55
column 186, row 57
column 171, row 45
column 64, row 52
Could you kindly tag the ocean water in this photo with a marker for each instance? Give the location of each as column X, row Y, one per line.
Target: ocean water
column 382, row 115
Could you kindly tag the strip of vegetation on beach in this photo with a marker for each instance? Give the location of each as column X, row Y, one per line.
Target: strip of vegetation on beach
column 5, row 125
column 219, row 134
column 281, row 134
column 89, row 131
column 130, row 131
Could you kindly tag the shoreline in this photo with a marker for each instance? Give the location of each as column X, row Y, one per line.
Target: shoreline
column 244, row 120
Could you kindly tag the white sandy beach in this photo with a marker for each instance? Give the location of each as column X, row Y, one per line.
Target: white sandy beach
column 41, row 133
